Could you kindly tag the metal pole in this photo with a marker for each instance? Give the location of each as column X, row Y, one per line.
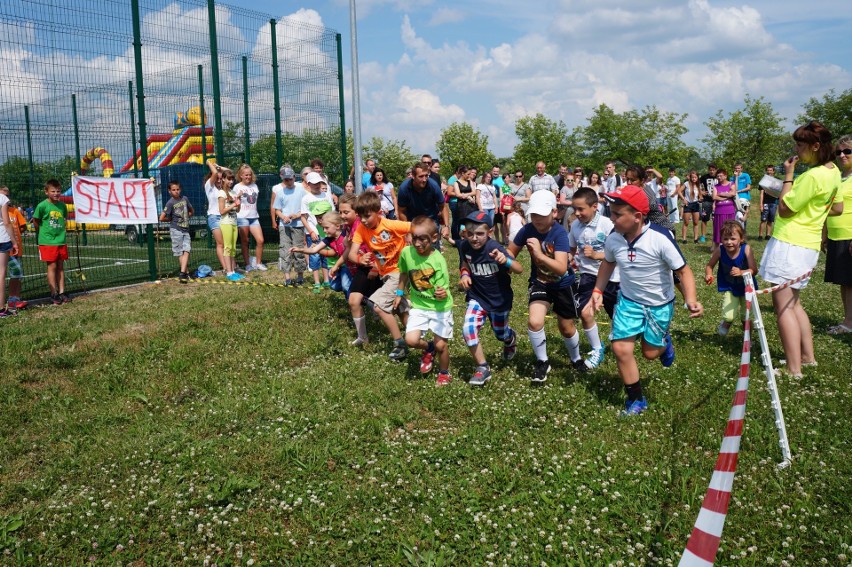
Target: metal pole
column 279, row 150
column 30, row 154
column 214, row 71
column 143, row 134
column 201, row 114
column 133, row 129
column 356, row 101
column 77, row 150
column 246, row 111
column 343, row 155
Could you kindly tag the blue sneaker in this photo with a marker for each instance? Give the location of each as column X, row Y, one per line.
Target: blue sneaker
column 595, row 358
column 234, row 277
column 634, row 408
column 668, row 356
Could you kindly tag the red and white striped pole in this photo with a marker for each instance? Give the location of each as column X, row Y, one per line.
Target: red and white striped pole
column 704, row 541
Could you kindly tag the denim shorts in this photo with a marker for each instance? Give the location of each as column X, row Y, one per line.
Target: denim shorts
column 213, row 222
column 6, row 246
column 248, row 222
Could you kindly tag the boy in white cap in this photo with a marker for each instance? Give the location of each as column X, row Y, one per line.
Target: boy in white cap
column 551, row 282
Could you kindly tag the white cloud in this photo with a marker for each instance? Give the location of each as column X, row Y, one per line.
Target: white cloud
column 443, row 16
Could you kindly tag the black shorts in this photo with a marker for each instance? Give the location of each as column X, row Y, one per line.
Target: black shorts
column 693, row 207
column 363, row 284
column 498, row 217
column 838, row 262
column 562, row 300
column 610, row 294
column 706, row 211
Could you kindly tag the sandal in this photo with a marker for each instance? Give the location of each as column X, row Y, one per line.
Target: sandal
column 840, row 329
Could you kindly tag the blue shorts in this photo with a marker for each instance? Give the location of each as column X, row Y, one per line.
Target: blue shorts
column 6, row 246
column 632, row 319
column 248, row 222
column 315, row 261
column 768, row 212
column 213, row 222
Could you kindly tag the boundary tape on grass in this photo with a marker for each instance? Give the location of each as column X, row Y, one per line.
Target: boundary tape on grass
column 773, row 289
column 253, row 284
column 707, row 534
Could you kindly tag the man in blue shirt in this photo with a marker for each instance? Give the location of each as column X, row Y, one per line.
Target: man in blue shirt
column 420, row 195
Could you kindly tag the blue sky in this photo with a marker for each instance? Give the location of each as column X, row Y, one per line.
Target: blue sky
column 425, row 64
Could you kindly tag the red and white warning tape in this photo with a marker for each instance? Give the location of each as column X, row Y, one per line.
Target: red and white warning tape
column 704, row 541
column 785, row 284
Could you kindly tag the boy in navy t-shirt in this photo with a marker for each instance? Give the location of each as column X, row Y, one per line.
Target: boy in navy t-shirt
column 485, row 266
column 551, row 282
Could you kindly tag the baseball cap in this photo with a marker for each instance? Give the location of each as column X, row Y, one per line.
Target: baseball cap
column 630, row 195
column 314, row 177
column 542, row 202
column 321, row 208
column 480, row 217
column 287, row 173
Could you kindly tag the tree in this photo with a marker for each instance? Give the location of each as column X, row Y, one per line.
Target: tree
column 542, row 139
column 393, row 156
column 751, row 135
column 636, row 137
column 834, row 111
column 463, row 144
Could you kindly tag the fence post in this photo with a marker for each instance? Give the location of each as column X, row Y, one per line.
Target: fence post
column 246, row 110
column 275, row 94
column 30, row 154
column 132, row 128
column 143, row 135
column 342, row 115
column 77, row 149
column 214, row 71
column 201, row 114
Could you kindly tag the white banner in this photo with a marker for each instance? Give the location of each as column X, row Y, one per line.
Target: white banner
column 114, row 200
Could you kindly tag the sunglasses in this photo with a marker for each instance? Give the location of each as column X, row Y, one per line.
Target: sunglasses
column 844, row 151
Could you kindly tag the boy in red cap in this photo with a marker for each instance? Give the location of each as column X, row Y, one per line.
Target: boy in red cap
column 646, row 255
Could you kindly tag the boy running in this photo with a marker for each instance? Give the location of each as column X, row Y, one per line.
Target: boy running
column 646, row 255
column 485, row 267
column 551, row 282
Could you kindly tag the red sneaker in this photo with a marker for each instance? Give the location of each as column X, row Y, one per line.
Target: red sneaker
column 18, row 304
column 426, row 362
column 444, row 379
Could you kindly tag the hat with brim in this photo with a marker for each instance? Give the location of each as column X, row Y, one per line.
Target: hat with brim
column 480, row 217
column 542, row 202
column 314, row 177
column 630, row 195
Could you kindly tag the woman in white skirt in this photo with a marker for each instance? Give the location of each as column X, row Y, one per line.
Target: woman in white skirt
column 794, row 247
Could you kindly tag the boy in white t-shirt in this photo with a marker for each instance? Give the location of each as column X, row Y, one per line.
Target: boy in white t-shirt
column 586, row 237
column 314, row 201
column 646, row 255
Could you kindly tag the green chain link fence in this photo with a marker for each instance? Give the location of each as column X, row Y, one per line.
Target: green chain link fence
column 69, row 92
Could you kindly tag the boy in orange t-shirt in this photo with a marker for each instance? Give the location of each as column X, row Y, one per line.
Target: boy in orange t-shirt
column 385, row 239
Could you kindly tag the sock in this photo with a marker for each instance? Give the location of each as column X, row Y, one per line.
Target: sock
column 361, row 326
column 594, row 337
column 634, row 391
column 573, row 344
column 539, row 343
column 400, row 342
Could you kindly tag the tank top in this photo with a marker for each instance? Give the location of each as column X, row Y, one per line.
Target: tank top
column 724, row 280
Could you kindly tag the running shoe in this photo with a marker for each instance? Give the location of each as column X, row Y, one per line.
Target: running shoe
column 480, row 376
column 580, row 365
column 444, row 379
column 668, row 356
column 634, row 408
column 510, row 347
column 398, row 353
column 539, row 377
column 426, row 361
column 595, row 358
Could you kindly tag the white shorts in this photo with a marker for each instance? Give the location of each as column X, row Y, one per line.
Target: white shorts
column 440, row 323
column 783, row 262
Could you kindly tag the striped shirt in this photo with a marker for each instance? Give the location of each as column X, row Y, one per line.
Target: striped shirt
column 546, row 181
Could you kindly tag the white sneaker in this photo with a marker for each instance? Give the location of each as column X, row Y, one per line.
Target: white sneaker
column 261, row 267
column 723, row 330
column 253, row 262
column 359, row 342
column 249, row 268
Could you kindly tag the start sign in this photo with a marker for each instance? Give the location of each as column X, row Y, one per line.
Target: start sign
column 114, row 200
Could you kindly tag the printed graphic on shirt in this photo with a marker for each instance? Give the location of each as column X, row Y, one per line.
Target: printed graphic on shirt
column 422, row 279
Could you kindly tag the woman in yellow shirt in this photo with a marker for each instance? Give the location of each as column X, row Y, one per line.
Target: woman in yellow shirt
column 838, row 249
column 796, row 240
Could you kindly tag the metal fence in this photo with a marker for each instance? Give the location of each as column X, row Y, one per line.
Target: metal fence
column 79, row 94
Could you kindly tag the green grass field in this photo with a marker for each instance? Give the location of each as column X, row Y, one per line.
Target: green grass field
column 234, row 425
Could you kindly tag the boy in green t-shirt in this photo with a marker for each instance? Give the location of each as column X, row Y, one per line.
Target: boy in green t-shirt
column 423, row 267
column 49, row 220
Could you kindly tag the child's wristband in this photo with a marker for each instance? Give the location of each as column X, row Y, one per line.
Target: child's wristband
column 465, row 272
column 400, row 293
column 508, row 262
column 596, row 290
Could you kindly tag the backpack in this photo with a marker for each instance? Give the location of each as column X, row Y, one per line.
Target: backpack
column 507, row 202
